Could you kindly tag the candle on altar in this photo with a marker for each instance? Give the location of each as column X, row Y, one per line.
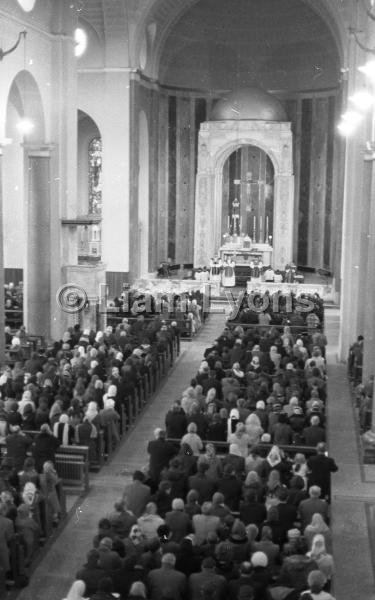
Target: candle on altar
column 255, row 222
column 228, row 221
column 267, row 228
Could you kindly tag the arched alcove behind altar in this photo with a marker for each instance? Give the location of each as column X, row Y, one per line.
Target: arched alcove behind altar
column 217, row 141
column 248, row 194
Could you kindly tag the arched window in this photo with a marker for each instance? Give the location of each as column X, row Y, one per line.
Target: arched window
column 95, row 176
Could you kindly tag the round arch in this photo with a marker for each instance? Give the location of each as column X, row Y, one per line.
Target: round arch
column 24, row 96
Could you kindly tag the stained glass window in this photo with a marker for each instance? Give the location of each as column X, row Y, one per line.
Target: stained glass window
column 95, row 177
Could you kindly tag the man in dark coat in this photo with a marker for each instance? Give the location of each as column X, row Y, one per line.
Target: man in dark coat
column 44, row 447
column 166, row 582
column 17, row 445
column 176, row 422
column 320, row 469
column 160, row 451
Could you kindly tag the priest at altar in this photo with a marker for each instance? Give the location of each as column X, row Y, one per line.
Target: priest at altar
column 228, row 274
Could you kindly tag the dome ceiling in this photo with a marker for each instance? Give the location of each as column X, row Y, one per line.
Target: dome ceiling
column 273, row 44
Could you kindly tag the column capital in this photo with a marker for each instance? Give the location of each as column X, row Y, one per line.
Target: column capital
column 39, row 150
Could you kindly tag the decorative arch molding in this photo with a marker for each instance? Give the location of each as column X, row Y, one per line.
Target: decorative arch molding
column 217, row 140
column 166, row 13
column 25, row 95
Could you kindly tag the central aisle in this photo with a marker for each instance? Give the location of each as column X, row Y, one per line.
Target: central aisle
column 52, row 578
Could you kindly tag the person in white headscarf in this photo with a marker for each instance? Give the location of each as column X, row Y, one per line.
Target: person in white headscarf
column 77, row 591
column 109, row 418
column 26, row 399
column 253, row 429
column 63, row 431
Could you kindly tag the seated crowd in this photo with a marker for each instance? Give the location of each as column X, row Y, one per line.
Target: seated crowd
column 250, row 523
column 65, row 395
column 184, row 306
column 304, row 310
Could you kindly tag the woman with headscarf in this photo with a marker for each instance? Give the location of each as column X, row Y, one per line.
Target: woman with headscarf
column 26, row 399
column 193, row 439
column 63, row 430
column 319, row 554
column 241, row 438
column 275, row 461
column 77, row 591
column 253, row 429
column 215, row 467
column 110, row 419
column 273, row 487
column 137, row 591
column 299, row 467
column 48, row 481
column 188, row 399
column 253, row 483
column 55, row 411
column 318, row 525
column 275, row 357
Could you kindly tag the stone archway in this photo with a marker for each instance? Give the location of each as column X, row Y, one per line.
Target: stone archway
column 217, row 140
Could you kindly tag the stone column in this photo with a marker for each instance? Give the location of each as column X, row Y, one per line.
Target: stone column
column 283, row 221
column 38, row 225
column 2, row 311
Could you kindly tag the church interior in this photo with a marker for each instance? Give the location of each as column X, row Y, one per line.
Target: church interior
column 175, row 146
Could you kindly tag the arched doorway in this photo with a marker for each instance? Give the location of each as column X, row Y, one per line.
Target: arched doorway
column 248, row 194
column 143, row 195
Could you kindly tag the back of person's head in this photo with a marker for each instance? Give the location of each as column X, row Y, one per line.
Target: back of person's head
column 104, row 524
column 151, row 508
column 315, row 491
column 259, row 559
column 321, row 448
column 316, row 581
column 138, row 589
column 192, row 496
column 245, row 568
column 178, row 504
column 267, row 533
column 315, row 420
column 138, row 476
column 218, row 498
column 168, row 559
column 208, row 563
column 192, row 428
column 282, row 494
column 206, row 508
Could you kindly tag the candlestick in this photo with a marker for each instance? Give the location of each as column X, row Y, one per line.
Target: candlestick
column 228, row 222
column 260, row 228
column 266, row 229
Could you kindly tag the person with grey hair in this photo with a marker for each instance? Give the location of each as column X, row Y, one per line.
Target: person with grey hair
column 44, row 447
column 193, row 439
column 166, row 582
column 150, row 521
column 160, row 451
column 314, row 434
column 205, row 523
